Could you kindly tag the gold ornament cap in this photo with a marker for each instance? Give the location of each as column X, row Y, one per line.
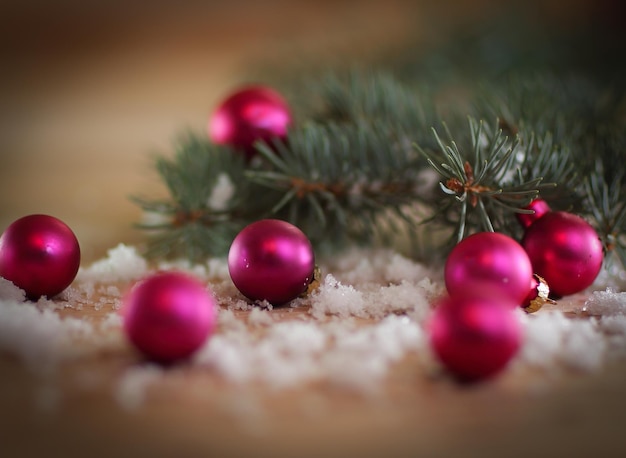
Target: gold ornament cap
column 542, row 298
column 315, row 283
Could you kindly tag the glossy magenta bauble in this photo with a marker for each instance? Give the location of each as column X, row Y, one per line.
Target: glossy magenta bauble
column 40, row 254
column 565, row 250
column 540, row 208
column 474, row 337
column 489, row 263
column 168, row 316
column 271, row 260
column 250, row 114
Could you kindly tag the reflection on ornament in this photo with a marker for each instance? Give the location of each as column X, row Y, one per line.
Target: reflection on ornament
column 475, row 337
column 168, row 315
column 539, row 206
column 40, row 254
column 489, row 263
column 248, row 115
column 271, row 260
column 565, row 250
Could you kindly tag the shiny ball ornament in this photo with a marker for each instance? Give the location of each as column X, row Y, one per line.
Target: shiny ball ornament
column 474, row 337
column 39, row 254
column 565, row 250
column 489, row 263
column 168, row 315
column 250, row 114
column 540, row 208
column 271, row 260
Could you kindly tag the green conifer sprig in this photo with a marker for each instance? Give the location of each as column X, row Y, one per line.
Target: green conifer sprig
column 368, row 97
column 485, row 179
column 194, row 222
column 555, row 163
column 336, row 180
column 348, row 170
column 606, row 201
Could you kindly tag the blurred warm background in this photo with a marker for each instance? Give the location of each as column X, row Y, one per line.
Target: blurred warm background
column 89, row 90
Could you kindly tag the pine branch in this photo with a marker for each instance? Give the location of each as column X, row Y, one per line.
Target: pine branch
column 605, row 192
column 336, row 180
column 347, row 172
column 208, row 201
column 368, row 98
column 481, row 178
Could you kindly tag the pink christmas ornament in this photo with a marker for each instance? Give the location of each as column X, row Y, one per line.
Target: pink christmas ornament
column 489, row 263
column 247, row 115
column 474, row 337
column 271, row 260
column 539, row 206
column 168, row 316
column 40, row 254
column 565, row 250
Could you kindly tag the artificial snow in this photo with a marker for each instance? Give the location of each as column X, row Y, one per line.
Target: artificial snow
column 222, row 193
column 606, row 302
column 366, row 317
column 553, row 341
column 40, row 338
column 260, row 317
column 10, row 292
column 131, row 389
column 38, row 334
column 294, row 352
column 335, row 298
column 123, row 263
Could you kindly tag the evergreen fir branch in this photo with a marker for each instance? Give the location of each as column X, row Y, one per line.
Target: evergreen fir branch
column 557, row 166
column 197, row 221
column 483, row 185
column 348, row 173
column 541, row 103
column 375, row 98
column 607, row 203
column 337, row 180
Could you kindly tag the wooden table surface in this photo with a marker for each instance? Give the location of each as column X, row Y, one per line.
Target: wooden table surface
column 87, row 94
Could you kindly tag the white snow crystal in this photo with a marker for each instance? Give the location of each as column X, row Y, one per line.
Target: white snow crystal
column 361, row 358
column 221, row 194
column 230, row 354
column 400, row 269
column 132, row 387
column 260, row 317
column 284, row 357
column 10, row 292
column 379, row 266
column 367, row 315
column 297, row 338
column 606, row 303
column 403, row 297
column 151, row 218
column 334, row 298
column 112, row 321
column 295, row 352
column 552, row 339
column 40, row 338
column 613, row 324
column 372, row 301
column 122, row 263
